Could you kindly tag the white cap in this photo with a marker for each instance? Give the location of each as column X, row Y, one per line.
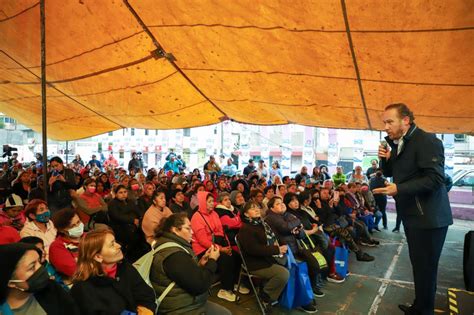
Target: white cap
column 13, row 201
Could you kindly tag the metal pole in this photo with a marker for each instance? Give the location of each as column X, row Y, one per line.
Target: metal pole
column 222, row 138
column 67, row 152
column 43, row 98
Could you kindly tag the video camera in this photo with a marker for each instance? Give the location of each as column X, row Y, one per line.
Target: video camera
column 7, row 150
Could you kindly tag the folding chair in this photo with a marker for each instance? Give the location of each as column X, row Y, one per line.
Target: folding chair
column 244, row 272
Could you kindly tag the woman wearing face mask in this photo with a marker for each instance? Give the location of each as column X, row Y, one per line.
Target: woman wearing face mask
column 124, row 219
column 25, row 287
column 39, row 223
column 105, row 283
column 12, row 214
column 64, row 250
column 89, row 203
column 134, row 191
column 152, row 218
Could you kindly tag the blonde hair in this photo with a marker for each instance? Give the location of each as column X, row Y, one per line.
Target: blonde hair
column 90, row 245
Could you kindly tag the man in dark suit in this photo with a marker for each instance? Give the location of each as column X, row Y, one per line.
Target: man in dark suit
column 415, row 160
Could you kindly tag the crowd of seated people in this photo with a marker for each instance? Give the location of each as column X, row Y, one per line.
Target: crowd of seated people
column 96, row 224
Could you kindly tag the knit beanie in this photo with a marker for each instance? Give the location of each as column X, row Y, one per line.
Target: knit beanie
column 10, row 255
column 233, row 196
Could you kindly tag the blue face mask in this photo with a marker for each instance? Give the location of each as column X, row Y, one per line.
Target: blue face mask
column 43, row 217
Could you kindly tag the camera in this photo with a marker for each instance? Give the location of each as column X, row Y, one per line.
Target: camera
column 7, row 150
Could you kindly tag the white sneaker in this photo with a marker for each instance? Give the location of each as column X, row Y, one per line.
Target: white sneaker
column 227, row 295
column 242, row 289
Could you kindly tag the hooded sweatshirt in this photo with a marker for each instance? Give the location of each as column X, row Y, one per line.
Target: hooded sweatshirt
column 205, row 225
column 231, row 222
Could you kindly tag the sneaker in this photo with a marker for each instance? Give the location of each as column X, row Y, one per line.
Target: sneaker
column 310, row 309
column 335, row 278
column 242, row 289
column 364, row 257
column 227, row 295
column 377, row 229
column 367, row 243
column 318, row 293
column 375, row 242
column 396, row 230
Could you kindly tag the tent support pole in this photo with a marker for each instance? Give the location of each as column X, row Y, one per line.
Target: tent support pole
column 43, row 99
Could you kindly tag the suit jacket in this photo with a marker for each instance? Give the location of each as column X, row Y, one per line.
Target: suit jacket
column 422, row 199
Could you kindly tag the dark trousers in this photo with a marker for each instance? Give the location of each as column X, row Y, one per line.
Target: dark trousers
column 313, row 266
column 228, row 268
column 399, row 221
column 382, row 205
column 424, row 246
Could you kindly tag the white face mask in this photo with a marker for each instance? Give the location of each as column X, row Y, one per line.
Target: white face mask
column 77, row 231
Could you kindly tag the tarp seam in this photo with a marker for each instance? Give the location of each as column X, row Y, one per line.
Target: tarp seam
column 354, row 59
column 58, row 90
column 160, row 48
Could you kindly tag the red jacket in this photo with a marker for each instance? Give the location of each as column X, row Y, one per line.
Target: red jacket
column 202, row 239
column 63, row 256
column 8, row 235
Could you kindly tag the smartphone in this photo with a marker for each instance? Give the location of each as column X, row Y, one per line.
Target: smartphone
column 336, row 194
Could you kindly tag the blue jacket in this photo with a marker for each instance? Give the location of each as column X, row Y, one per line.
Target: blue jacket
column 422, row 200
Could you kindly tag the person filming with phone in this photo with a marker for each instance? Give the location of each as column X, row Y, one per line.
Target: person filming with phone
column 60, row 181
column 415, row 161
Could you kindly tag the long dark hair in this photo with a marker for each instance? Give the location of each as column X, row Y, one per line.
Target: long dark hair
column 175, row 220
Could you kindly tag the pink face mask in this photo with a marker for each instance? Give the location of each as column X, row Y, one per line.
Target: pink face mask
column 135, row 187
column 91, row 189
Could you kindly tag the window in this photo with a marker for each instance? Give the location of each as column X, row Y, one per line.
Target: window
column 111, row 133
column 187, row 132
column 156, row 132
column 466, row 180
column 146, row 132
column 459, row 137
column 132, row 131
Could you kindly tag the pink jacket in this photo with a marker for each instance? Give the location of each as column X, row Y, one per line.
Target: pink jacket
column 202, row 239
column 17, row 222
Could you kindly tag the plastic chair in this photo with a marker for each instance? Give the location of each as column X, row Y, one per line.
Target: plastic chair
column 244, row 272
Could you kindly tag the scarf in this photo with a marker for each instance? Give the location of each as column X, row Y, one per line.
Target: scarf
column 271, row 237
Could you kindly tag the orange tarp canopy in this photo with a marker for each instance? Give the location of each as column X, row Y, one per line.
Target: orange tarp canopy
column 177, row 64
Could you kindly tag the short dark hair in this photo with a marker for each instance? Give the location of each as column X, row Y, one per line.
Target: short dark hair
column 403, row 111
column 249, row 205
column 271, row 202
column 175, row 220
column 62, row 219
column 56, row 159
column 250, row 161
column 33, row 240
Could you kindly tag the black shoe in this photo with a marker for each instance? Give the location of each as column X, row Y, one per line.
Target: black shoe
column 385, row 228
column 318, row 293
column 377, row 228
column 310, row 309
column 364, row 257
column 408, row 310
column 396, row 230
